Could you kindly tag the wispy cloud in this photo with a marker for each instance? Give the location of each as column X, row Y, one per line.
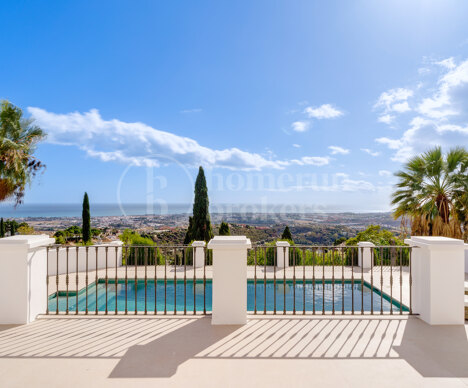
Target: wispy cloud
column 325, row 111
column 296, row 145
column 338, row 150
column 300, row 126
column 140, row 144
column 370, row 152
column 385, row 173
column 441, row 116
column 393, row 101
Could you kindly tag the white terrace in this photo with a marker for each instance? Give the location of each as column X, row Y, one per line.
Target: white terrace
column 230, row 347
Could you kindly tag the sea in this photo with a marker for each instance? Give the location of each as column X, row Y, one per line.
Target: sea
column 7, row 210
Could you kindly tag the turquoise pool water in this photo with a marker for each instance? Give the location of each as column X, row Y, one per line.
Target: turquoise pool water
column 321, row 296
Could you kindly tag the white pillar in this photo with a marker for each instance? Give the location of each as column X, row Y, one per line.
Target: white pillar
column 365, row 254
column 229, row 279
column 437, row 268
column 282, row 254
column 466, row 258
column 23, row 287
column 198, row 254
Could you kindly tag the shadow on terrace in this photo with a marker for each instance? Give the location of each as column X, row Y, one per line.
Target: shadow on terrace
column 146, row 347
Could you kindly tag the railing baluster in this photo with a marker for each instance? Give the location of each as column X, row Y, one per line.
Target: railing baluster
column 165, row 283
column 66, row 280
column 275, row 259
column 410, row 254
column 86, row 281
column 255, row 280
column 362, row 280
column 96, row 279
column 352, row 280
column 57, row 283
column 107, row 278
column 136, row 279
column 155, row 280
column 401, row 289
column 294, row 279
column 381, row 279
column 323, row 280
column 175, row 281
column 116, row 280
column 126, row 278
column 372, row 280
column 398, row 254
column 314, row 255
column 76, row 279
column 342, row 281
column 284, row 280
column 194, row 282
column 304, row 282
column 185, row 252
column 205, row 258
column 264, row 279
column 145, row 251
column 47, row 280
column 333, row 280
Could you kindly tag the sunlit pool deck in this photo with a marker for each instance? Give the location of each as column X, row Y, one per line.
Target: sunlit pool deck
column 176, row 351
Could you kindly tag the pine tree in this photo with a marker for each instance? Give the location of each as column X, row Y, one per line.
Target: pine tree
column 2, row 228
column 200, row 226
column 86, row 218
column 286, row 234
column 224, row 229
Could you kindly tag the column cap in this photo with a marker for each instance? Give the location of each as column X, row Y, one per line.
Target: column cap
column 283, row 244
column 198, row 244
column 230, row 242
column 30, row 241
column 433, row 241
column 365, row 244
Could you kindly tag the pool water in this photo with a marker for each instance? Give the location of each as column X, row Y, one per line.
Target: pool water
column 321, row 296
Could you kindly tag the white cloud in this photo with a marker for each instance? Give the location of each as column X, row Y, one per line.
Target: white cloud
column 325, row 111
column 300, row 126
column 338, row 150
column 386, row 119
column 370, row 152
column 140, row 144
column 296, row 145
column 441, row 117
column 393, row 101
column 448, row 63
column 385, row 173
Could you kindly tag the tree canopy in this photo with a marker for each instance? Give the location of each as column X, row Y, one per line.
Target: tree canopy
column 377, row 235
column 286, row 234
column 200, row 224
column 18, row 140
column 224, row 229
column 432, row 193
column 86, row 218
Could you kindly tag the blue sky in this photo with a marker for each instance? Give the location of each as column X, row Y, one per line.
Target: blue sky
column 283, row 102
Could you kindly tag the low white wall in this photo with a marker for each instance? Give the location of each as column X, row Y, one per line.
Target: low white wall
column 114, row 252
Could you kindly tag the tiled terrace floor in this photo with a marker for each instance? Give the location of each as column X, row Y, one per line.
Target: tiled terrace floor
column 267, row 352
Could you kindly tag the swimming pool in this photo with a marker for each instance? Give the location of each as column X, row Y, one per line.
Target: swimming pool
column 319, row 296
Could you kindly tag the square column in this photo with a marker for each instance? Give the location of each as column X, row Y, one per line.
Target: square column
column 282, row 254
column 437, row 270
column 198, row 254
column 23, row 283
column 365, row 254
column 229, row 279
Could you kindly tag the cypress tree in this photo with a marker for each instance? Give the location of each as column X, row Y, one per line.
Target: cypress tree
column 2, row 228
column 286, row 234
column 86, row 218
column 224, row 229
column 200, row 227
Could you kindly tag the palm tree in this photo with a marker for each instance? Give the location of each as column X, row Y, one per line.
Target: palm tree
column 18, row 139
column 432, row 193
